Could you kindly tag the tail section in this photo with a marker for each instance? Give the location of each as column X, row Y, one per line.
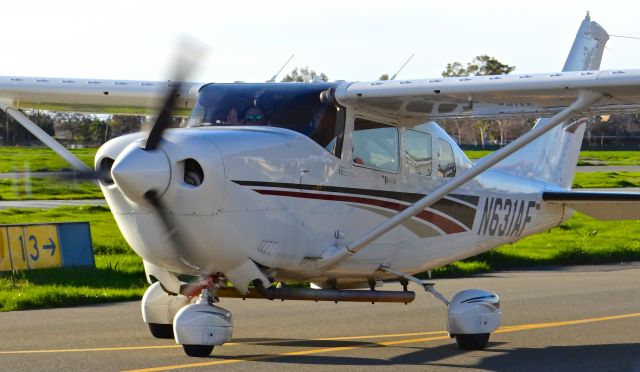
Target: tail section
column 553, row 157
column 587, row 49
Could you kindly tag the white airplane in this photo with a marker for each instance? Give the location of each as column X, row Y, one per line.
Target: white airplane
column 341, row 184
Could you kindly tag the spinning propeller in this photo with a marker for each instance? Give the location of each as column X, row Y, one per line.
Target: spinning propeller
column 143, row 173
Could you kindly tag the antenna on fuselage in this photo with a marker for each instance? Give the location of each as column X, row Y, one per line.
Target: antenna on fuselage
column 401, row 67
column 273, row 79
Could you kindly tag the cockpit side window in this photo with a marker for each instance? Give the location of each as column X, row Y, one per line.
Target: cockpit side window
column 417, row 152
column 446, row 160
column 375, row 145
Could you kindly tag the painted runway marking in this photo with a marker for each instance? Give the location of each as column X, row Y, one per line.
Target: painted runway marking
column 506, row 329
column 124, row 348
column 129, row 348
column 443, row 336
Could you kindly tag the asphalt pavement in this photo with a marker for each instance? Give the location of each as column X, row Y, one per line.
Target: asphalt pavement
column 608, row 168
column 559, row 319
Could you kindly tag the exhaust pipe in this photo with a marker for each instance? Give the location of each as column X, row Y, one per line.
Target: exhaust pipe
column 308, row 294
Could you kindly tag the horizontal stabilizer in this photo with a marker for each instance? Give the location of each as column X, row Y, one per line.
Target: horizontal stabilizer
column 601, row 205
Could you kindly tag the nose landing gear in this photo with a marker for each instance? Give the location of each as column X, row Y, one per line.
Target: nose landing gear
column 197, row 326
column 200, row 326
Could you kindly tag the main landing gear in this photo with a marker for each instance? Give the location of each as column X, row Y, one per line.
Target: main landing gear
column 472, row 314
column 198, row 326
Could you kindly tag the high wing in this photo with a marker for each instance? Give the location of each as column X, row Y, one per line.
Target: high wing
column 501, row 96
column 94, row 95
column 427, row 99
column 611, row 206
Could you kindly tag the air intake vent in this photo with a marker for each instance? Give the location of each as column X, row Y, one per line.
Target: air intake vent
column 193, row 174
column 104, row 170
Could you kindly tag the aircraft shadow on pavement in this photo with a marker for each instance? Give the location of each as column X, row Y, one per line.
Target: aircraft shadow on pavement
column 303, row 343
column 496, row 357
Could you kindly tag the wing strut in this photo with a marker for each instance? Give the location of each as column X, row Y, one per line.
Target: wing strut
column 333, row 256
column 44, row 137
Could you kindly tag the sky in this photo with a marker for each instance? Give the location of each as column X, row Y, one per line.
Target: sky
column 347, row 40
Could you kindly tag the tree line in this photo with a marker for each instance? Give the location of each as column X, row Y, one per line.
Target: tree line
column 72, row 128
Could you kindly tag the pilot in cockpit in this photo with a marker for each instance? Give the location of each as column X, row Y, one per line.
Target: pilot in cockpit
column 253, row 115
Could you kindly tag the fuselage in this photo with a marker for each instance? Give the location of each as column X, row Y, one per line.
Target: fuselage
column 280, row 198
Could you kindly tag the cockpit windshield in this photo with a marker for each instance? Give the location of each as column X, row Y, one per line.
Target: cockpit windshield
column 301, row 107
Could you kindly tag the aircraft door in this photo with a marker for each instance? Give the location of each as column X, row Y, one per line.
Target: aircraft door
column 369, row 175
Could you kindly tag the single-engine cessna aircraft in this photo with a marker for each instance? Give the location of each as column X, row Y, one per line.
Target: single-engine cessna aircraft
column 341, row 184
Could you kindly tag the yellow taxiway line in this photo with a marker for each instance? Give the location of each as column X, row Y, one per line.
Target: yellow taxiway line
column 431, row 336
column 123, row 348
column 128, row 348
column 506, row 329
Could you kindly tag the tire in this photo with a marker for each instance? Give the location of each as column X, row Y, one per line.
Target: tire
column 199, row 351
column 161, row 330
column 472, row 342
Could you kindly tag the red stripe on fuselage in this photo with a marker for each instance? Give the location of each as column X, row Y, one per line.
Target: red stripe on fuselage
column 443, row 223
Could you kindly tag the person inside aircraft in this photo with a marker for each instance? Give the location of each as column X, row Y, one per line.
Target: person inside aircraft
column 254, row 115
column 232, row 117
column 296, row 107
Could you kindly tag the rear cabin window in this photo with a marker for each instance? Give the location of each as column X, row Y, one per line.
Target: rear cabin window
column 301, row 107
column 375, row 145
column 417, row 152
column 446, row 160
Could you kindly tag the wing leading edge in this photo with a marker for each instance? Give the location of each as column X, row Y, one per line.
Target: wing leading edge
column 93, row 95
column 494, row 96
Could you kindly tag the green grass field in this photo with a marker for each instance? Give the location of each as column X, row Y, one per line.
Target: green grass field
column 586, row 157
column 36, row 188
column 609, row 158
column 580, row 240
column 477, row 154
column 606, row 180
column 39, row 159
column 53, row 189
column 119, row 274
column 115, row 278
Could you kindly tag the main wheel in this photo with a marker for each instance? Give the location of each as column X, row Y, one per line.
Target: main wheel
column 472, row 342
column 161, row 330
column 198, row 350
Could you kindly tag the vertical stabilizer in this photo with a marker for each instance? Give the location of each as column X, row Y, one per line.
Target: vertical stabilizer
column 553, row 157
